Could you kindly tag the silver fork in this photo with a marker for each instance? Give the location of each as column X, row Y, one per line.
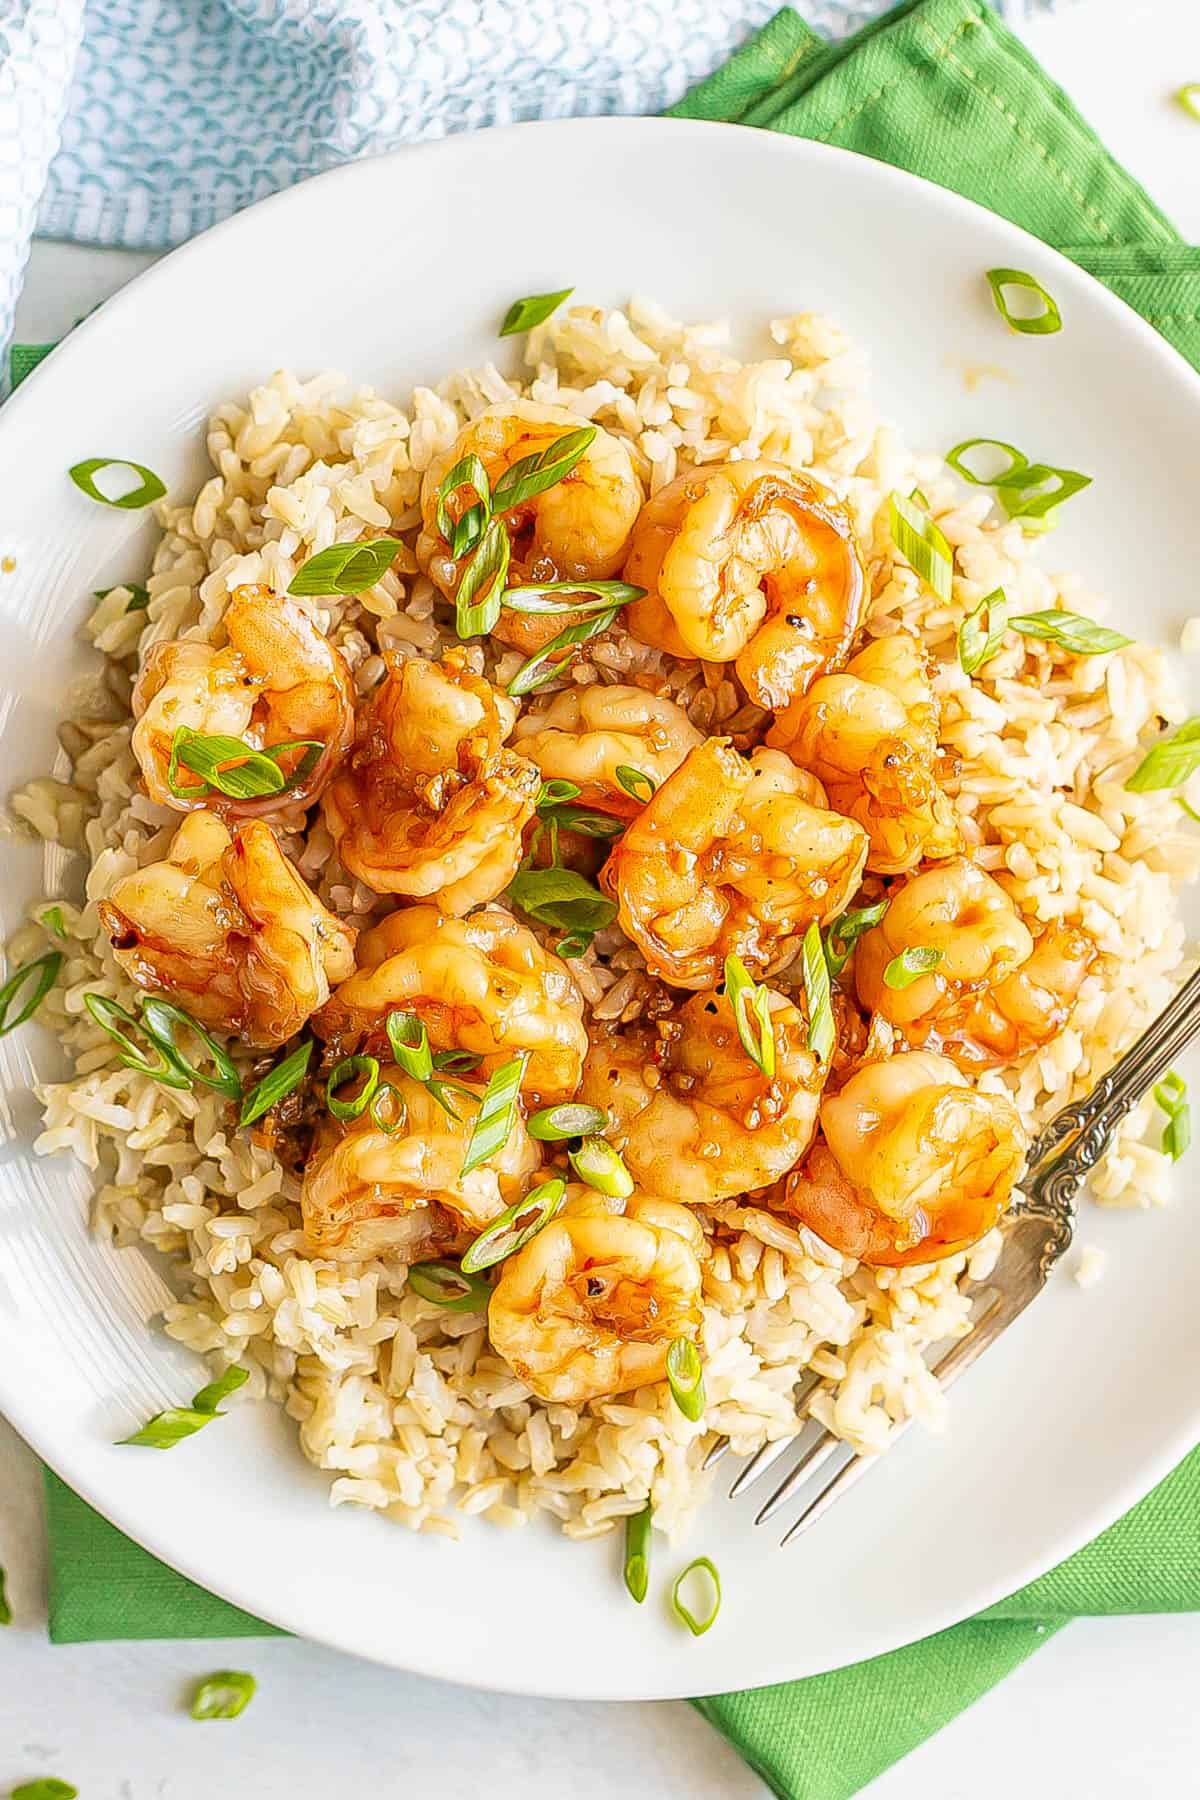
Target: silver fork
column 1037, row 1231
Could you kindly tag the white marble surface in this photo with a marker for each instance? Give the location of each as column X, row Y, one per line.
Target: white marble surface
column 1106, row 1711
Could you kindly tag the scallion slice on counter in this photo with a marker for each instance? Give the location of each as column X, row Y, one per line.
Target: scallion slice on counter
column 348, row 1070
column 845, row 932
column 1171, row 1095
column 1017, row 461
column 533, row 475
column 1170, row 763
column 468, row 472
column 161, row 1019
column 514, row 1228
column 166, row 1429
column 822, row 1032
column 139, row 597
column 701, row 1577
column 562, row 899
column 533, row 310
column 41, row 974
column 596, row 1162
column 568, row 1119
column 477, row 602
column 83, row 474
column 685, row 1373
column 388, row 1110
column 46, row 1787
column 923, row 545
column 497, row 1112
column 637, row 784
column 409, row 1040
column 6, row 1617
column 982, row 631
column 1083, row 637
column 1188, row 96
column 541, row 669
column 346, row 568
column 163, row 1067
column 638, row 1527
column 1039, row 324
column 223, row 1695
column 550, row 596
column 444, row 1284
column 276, row 1084
column 751, row 1006
column 910, row 965
column 52, row 920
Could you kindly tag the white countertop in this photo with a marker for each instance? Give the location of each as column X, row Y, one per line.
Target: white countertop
column 1107, row 1710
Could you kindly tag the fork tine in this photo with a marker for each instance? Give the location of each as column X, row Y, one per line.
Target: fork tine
column 715, row 1454
column 722, row 1445
column 809, row 1463
column 768, row 1455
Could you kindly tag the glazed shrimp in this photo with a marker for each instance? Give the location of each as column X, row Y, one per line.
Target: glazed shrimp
column 482, row 984
column 693, row 1115
column 429, row 804
column 226, row 927
column 871, row 735
column 591, row 1305
column 914, row 1163
column 994, row 994
column 731, row 856
column 367, row 1193
column 575, row 531
column 586, row 734
column 749, row 563
column 278, row 680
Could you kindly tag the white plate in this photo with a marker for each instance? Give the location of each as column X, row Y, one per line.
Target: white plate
column 397, row 270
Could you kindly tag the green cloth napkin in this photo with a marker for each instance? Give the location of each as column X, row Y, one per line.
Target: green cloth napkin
column 941, row 88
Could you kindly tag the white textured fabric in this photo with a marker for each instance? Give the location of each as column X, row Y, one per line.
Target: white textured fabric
column 170, row 114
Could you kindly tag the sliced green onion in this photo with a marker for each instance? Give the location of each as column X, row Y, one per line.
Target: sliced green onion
column 533, row 310
column 1017, row 460
column 477, row 602
column 514, row 1228
column 83, row 475
column 1025, row 498
column 541, row 669
column 685, row 1373
column 597, row 1163
column 139, row 596
column 543, row 596
column 636, row 782
column 227, row 764
column 43, row 973
column 456, row 1062
column 160, row 1020
column 1169, row 764
column 533, row 475
column 920, row 498
column 276, row 1084
column 468, row 472
column 574, row 943
column 978, row 641
column 586, row 820
column 1171, row 1095
column 637, row 1552
column 387, row 1110
column 6, row 1617
column 439, row 1086
column 166, row 1429
column 1048, row 320
column 115, row 1020
column 923, row 545
column 910, row 965
column 570, row 1118
column 698, row 1622
column 497, row 1112
column 561, row 899
column 555, row 793
column 47, row 1787
column 751, row 1006
column 346, row 568
column 53, row 921
column 845, row 932
column 409, row 1040
column 822, row 1033
column 1188, row 97
column 347, row 1070
column 210, row 1397
column 223, row 1695
column 444, row 1284
column 1071, row 630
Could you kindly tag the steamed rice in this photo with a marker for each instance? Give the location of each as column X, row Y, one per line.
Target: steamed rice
column 405, row 1405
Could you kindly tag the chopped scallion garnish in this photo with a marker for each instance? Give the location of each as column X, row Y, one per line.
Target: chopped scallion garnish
column 1188, row 97
column 350, row 1069
column 229, row 766
column 570, row 1118
column 514, row 1228
column 547, row 596
column 477, row 602
column 822, row 1031
column 464, row 533
column 388, row 1110
column 923, row 545
column 139, row 597
column 685, row 1373
column 161, row 1019
column 210, row 1397
column 562, row 899
column 1026, row 498
column 1036, row 325
column 596, row 1162
column 1171, row 1095
column 638, row 1526
column 42, row 973
column 534, row 475
column 542, row 669
column 166, row 1429
column 409, row 1040
column 83, row 474
column 751, row 1005
column 223, row 1695
column 702, row 1575
column 445, row 1284
column 52, row 920
column 1083, row 637
column 1017, row 460
column 276, row 1084
column 845, row 932
column 6, row 1617
column 1169, row 764
column 46, row 1787
column 533, row 310
column 346, row 568
column 982, row 631
column 456, row 1062
column 637, row 784
column 497, row 1112
column 164, row 1068
column 910, row 965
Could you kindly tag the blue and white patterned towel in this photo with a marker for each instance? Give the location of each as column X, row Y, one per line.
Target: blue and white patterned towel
column 139, row 122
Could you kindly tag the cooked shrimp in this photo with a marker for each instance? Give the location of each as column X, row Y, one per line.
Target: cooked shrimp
column 914, row 1163
column 591, row 1305
column 692, row 1113
column 752, row 564
column 278, row 680
column 871, row 735
column 226, row 927
column 429, row 804
column 482, row 984
column 366, row 1193
column 731, row 856
column 994, row 994
column 575, row 531
column 586, row 734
